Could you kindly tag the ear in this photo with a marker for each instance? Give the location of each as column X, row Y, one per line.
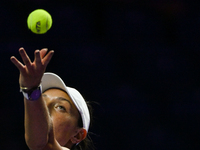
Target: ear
column 80, row 135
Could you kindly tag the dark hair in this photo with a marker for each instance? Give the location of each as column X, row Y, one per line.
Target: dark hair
column 87, row 143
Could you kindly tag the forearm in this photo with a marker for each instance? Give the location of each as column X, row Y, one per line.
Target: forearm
column 37, row 123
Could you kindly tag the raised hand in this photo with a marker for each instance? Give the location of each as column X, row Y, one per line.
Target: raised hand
column 32, row 72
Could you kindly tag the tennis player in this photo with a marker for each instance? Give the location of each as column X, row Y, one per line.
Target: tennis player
column 56, row 116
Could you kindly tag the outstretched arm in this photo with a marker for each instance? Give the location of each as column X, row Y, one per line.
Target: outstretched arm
column 37, row 121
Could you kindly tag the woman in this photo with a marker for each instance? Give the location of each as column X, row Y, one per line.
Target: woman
column 56, row 116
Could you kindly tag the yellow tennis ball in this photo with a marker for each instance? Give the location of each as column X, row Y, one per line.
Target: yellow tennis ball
column 39, row 21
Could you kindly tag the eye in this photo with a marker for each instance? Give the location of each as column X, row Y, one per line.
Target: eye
column 62, row 108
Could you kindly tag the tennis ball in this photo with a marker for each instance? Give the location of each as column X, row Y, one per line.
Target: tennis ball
column 39, row 21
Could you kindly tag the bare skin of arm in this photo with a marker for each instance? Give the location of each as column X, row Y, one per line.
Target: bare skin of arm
column 38, row 125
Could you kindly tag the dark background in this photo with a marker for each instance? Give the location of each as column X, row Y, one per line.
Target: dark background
column 138, row 59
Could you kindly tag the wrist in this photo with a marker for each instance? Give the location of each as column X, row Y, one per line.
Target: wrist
column 31, row 94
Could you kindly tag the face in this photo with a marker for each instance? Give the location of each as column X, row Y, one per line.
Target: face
column 64, row 114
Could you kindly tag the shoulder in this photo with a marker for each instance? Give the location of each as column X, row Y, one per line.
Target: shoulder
column 54, row 147
column 64, row 148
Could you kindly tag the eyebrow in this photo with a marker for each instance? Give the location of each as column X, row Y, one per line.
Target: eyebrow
column 60, row 98
column 64, row 99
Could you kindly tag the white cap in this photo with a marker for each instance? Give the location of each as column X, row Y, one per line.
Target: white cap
column 51, row 80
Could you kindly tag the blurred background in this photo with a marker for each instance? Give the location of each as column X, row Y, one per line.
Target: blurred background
column 139, row 60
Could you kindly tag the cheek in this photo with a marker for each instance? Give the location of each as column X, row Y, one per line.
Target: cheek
column 62, row 129
column 63, row 124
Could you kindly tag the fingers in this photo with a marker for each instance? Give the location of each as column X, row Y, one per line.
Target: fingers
column 25, row 57
column 17, row 63
column 38, row 58
column 43, row 52
column 48, row 57
column 41, row 59
column 40, row 62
